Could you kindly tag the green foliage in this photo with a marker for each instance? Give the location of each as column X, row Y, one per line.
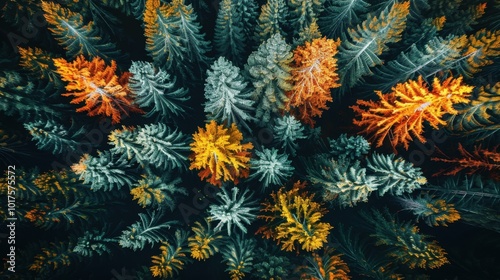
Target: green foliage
column 353, row 147
column 342, row 182
column 157, row 192
column 433, row 211
column 105, row 172
column 286, row 131
column 40, row 63
column 130, row 7
column 149, row 229
column 54, row 137
column 270, row 168
column 233, row 210
column 406, row 245
column 227, row 95
column 437, row 55
column 395, row 176
column 238, row 255
column 156, row 146
column 368, row 41
column 303, row 13
column 229, row 37
column 18, row 97
column 460, row 15
column 92, row 243
column 155, row 89
column 270, row 266
column 269, row 71
column 478, row 120
column 340, row 15
column 361, row 259
column 273, row 19
column 173, row 256
column 76, row 36
column 174, row 38
column 249, row 13
column 475, row 198
column 205, row 242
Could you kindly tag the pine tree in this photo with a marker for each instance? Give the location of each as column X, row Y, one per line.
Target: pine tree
column 272, row 20
column 303, row 12
column 269, row 70
column 227, row 94
column 339, row 15
column 229, row 37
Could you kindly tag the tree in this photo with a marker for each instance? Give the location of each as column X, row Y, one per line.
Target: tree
column 303, row 12
column 228, row 97
column 219, row 154
column 339, row 15
column 402, row 112
column 272, row 20
column 314, row 74
column 270, row 168
column 229, row 37
column 269, row 70
column 98, row 86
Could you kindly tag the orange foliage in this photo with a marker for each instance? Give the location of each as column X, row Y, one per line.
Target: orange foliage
column 96, row 84
column 401, row 113
column 314, row 75
column 219, row 154
column 479, row 160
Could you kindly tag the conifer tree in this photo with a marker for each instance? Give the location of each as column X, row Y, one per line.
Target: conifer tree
column 229, row 35
column 272, row 20
column 303, row 12
column 269, row 70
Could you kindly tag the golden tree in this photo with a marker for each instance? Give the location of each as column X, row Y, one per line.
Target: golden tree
column 293, row 218
column 219, row 154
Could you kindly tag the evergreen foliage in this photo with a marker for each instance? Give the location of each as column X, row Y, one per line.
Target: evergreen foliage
column 150, row 229
column 154, row 89
column 287, row 131
column 239, row 255
column 76, row 36
column 229, row 35
column 273, row 19
column 270, row 168
column 353, row 147
column 205, row 242
column 269, row 71
column 92, row 243
column 339, row 15
column 104, row 172
column 395, row 176
column 157, row 192
column 233, row 210
column 227, row 94
column 52, row 136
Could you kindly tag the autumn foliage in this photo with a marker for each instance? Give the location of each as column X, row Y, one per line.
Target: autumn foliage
column 293, row 219
column 401, row 114
column 479, row 160
column 219, row 154
column 314, row 74
column 98, row 86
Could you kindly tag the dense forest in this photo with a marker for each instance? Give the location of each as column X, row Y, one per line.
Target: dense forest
column 250, row 139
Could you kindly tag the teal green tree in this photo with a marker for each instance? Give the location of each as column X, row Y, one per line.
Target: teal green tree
column 287, row 131
column 270, row 168
column 239, row 255
column 174, row 38
column 339, row 15
column 229, row 34
column 303, row 13
column 269, row 70
column 228, row 95
column 273, row 19
column 155, row 90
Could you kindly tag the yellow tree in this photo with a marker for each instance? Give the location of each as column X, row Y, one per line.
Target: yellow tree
column 219, row 154
column 293, row 218
column 400, row 114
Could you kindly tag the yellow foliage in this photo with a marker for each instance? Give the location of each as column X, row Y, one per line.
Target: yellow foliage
column 219, row 153
column 205, row 241
column 446, row 212
column 481, row 48
column 294, row 219
column 401, row 113
column 167, row 263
